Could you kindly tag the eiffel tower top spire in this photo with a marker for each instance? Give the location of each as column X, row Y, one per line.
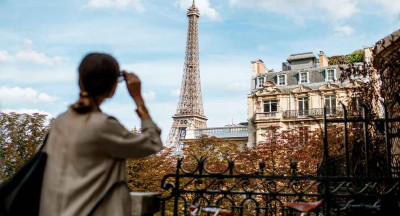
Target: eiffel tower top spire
column 190, row 101
column 193, row 10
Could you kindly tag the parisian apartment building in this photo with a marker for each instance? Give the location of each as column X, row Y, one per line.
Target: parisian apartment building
column 295, row 97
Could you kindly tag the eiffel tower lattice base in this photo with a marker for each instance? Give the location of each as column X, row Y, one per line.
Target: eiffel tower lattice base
column 178, row 129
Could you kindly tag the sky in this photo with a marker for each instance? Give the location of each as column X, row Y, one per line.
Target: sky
column 43, row 41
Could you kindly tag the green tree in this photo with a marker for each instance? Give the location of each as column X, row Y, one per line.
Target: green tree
column 356, row 56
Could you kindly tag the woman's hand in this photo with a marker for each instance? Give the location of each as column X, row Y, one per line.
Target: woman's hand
column 134, row 87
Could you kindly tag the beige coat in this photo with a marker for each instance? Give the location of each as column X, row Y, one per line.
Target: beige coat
column 86, row 156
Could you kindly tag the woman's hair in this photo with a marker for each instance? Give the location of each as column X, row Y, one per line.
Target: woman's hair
column 98, row 73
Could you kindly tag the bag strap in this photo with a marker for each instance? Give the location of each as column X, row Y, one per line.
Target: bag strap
column 108, row 193
column 44, row 141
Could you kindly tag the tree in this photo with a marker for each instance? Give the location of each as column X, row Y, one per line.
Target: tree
column 386, row 61
column 356, row 56
column 146, row 174
column 368, row 90
column 21, row 135
column 337, row 60
column 278, row 152
column 281, row 152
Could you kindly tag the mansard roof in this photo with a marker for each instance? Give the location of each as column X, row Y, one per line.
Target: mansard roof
column 309, row 86
column 316, row 75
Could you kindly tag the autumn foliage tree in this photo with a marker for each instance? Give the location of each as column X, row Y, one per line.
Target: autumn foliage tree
column 20, row 137
column 279, row 150
column 283, row 152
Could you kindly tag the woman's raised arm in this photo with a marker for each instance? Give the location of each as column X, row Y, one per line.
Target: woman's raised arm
column 117, row 141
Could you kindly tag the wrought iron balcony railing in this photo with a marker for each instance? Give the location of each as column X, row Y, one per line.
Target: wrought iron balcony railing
column 335, row 111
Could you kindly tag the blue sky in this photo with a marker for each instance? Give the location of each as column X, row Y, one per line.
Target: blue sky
column 43, row 41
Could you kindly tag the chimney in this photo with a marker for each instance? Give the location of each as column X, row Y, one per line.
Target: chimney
column 286, row 66
column 258, row 66
column 323, row 60
column 367, row 54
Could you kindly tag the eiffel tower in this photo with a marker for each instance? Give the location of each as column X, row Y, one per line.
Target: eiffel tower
column 190, row 107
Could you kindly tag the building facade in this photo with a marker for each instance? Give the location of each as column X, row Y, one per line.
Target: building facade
column 297, row 95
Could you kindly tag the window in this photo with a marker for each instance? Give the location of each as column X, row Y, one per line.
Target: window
column 303, row 77
column 330, row 104
column 260, row 82
column 303, row 106
column 282, row 80
column 330, row 75
column 355, row 106
column 270, row 106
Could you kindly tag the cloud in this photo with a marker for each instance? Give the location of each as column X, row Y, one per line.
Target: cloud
column 5, row 57
column 149, row 95
column 345, row 30
column 204, row 7
column 37, row 57
column 22, row 95
column 339, row 9
column 28, row 54
column 300, row 10
column 115, row 4
column 391, row 6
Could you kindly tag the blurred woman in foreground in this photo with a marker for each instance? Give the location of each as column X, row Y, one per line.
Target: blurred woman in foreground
column 87, row 149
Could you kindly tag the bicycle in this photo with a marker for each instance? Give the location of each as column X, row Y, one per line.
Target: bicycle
column 196, row 210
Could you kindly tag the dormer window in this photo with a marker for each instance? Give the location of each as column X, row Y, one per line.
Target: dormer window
column 282, row 79
column 303, row 77
column 330, row 75
column 260, row 82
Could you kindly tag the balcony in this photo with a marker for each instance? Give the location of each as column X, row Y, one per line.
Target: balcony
column 268, row 115
column 318, row 112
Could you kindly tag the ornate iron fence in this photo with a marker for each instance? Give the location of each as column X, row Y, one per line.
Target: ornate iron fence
column 342, row 192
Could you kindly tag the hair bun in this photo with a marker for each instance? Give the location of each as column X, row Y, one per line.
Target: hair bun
column 84, row 104
column 84, row 94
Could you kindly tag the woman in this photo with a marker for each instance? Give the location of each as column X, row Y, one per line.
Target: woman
column 87, row 149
